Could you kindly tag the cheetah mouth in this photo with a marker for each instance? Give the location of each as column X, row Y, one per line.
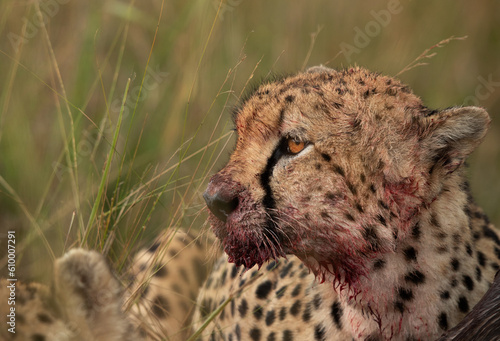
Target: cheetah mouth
column 248, row 244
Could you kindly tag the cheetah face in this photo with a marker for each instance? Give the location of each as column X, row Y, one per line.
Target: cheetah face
column 330, row 166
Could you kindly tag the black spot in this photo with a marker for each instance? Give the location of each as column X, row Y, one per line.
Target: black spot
column 324, row 215
column 264, row 289
column 489, row 233
column 37, row 337
column 44, row 318
column 445, row 295
column 362, row 178
column 258, row 312
column 237, row 331
column 339, row 170
column 349, row 217
column 372, row 188
column 399, row 306
column 455, row 264
column 234, row 271
column 326, row 157
column 286, row 269
column 282, row 313
column 383, row 205
column 306, row 316
column 415, row 232
column 243, row 307
column 370, row 235
column 296, row 290
column 319, row 333
column 359, row 208
column 160, row 306
column 495, row 266
column 295, row 309
column 317, row 166
column 442, row 249
column 281, row 291
column 270, row 317
column 410, row 254
column 331, row 196
column 443, row 321
column 481, row 258
column 154, row 247
column 255, row 334
column 463, row 304
column 272, row 265
column 271, row 337
column 468, row 248
column 468, row 282
column 304, row 273
column 392, row 91
column 317, row 301
column 287, row 335
column 405, row 294
column 415, row 277
column 381, row 219
column 497, row 252
column 440, row 235
column 205, row 308
column 289, row 98
column 453, row 282
column 378, row 264
column 479, row 274
column 352, row 188
column 336, row 313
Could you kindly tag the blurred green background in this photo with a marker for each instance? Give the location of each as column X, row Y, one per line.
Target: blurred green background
column 63, row 84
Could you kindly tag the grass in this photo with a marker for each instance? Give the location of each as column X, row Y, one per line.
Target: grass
column 114, row 114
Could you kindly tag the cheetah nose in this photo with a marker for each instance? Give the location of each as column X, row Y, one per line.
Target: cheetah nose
column 221, row 204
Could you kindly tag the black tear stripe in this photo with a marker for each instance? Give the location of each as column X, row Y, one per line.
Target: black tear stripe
column 268, row 201
column 265, row 177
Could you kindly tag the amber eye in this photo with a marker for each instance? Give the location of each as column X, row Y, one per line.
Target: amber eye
column 295, row 146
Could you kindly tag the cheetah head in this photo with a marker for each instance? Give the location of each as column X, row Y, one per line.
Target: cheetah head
column 334, row 167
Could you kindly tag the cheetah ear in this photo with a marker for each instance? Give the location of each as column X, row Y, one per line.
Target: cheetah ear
column 451, row 135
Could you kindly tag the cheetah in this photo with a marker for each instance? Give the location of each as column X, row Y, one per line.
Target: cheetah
column 87, row 302
column 345, row 214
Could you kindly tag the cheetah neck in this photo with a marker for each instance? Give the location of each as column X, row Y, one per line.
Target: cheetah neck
column 403, row 282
